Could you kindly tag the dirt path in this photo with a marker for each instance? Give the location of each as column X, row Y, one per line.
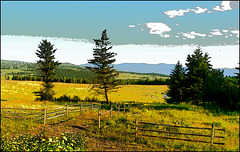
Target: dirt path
column 82, row 123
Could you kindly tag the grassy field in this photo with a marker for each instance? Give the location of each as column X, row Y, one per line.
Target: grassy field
column 19, row 93
column 117, row 136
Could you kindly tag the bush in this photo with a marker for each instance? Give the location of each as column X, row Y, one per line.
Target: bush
column 28, row 142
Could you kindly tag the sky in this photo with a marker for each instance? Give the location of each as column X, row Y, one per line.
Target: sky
column 140, row 31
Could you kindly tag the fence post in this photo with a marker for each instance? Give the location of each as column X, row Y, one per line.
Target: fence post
column 118, row 108
column 67, row 110
column 129, row 108
column 99, row 119
column 91, row 106
column 136, row 129
column 124, row 108
column 212, row 136
column 100, row 106
column 111, row 111
column 81, row 108
column 45, row 116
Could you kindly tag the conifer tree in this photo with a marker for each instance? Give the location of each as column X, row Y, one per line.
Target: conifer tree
column 198, row 68
column 46, row 67
column 105, row 81
column 176, row 84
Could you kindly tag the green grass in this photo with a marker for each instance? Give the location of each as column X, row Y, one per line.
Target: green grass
column 118, row 133
column 119, row 130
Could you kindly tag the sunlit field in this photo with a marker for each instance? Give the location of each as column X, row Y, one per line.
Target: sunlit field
column 19, row 93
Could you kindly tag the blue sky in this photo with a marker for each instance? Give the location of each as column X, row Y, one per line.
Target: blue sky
column 170, row 23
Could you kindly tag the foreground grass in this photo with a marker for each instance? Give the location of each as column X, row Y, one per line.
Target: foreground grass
column 118, row 133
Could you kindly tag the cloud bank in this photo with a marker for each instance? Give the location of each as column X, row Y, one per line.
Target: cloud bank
column 23, row 48
column 225, row 6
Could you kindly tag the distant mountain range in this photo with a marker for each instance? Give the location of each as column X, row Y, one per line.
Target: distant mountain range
column 160, row 68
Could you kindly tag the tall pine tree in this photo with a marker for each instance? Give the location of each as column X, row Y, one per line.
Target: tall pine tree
column 105, row 81
column 198, row 68
column 46, row 67
column 176, row 84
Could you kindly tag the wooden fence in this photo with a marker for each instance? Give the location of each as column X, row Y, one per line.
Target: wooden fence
column 124, row 108
column 212, row 135
column 47, row 114
column 104, row 113
column 117, row 106
column 21, row 113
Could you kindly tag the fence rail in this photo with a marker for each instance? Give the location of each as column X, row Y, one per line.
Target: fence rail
column 212, row 136
column 180, row 126
column 104, row 113
column 48, row 113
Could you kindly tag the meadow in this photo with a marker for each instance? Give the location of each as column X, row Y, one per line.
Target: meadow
column 118, row 134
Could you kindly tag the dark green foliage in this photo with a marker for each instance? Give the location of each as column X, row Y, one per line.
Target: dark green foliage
column 198, row 68
column 203, row 84
column 28, row 142
column 66, row 98
column 105, row 78
column 212, row 87
column 46, row 68
column 177, row 84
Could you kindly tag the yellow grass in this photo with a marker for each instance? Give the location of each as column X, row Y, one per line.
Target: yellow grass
column 19, row 93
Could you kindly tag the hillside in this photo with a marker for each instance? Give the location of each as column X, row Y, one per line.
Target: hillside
column 127, row 70
column 66, row 70
column 160, row 68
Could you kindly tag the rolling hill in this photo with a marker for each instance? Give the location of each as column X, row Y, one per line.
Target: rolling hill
column 132, row 70
column 160, row 68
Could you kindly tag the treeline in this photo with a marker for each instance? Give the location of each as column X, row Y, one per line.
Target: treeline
column 156, row 81
column 200, row 83
column 56, row 79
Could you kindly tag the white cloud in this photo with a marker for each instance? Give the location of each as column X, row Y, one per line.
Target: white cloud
column 180, row 12
column 177, row 24
column 131, row 26
column 200, row 10
column 174, row 13
column 216, row 32
column 225, row 5
column 236, row 32
column 177, row 36
column 193, row 34
column 210, row 36
column 187, row 35
column 225, row 31
column 198, row 34
column 165, row 35
column 158, row 28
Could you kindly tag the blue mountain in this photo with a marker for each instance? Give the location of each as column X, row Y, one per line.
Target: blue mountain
column 160, row 68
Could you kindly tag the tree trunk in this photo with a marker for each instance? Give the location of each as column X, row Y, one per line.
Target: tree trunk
column 106, row 96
